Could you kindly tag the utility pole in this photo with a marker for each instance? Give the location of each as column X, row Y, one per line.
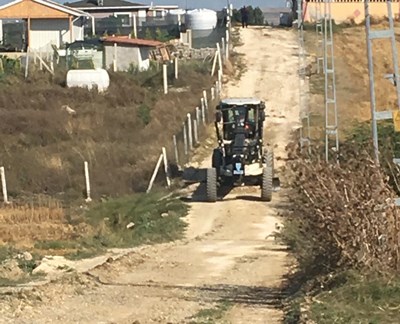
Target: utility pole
column 331, row 116
column 388, row 112
column 304, row 111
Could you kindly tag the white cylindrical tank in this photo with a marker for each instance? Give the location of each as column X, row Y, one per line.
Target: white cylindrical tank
column 201, row 19
column 88, row 78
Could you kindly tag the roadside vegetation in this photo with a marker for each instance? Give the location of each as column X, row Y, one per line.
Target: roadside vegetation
column 211, row 315
column 342, row 225
column 119, row 133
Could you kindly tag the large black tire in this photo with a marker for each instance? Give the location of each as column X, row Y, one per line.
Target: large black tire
column 269, row 160
column 217, row 159
column 211, row 185
column 266, row 185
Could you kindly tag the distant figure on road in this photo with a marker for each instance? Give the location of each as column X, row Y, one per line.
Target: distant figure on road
column 245, row 16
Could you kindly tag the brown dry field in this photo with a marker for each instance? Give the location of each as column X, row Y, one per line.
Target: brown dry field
column 120, row 133
column 352, row 81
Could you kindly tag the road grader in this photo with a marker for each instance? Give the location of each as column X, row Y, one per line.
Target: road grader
column 241, row 158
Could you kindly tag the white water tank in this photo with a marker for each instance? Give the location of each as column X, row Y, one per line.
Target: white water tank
column 201, row 19
column 88, row 79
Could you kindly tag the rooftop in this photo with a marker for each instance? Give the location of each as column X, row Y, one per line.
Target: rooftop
column 26, row 11
column 104, row 4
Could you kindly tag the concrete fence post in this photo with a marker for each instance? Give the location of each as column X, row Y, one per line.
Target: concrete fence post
column 219, row 57
column 165, row 78
column 190, row 132
column 176, row 150
column 87, row 181
column 198, row 116
column 190, row 40
column 176, row 67
column 195, row 131
column 153, row 177
column 227, row 45
column 185, row 141
column 134, row 26
column 214, row 65
column 115, row 62
column 203, row 111
column 4, row 185
column 220, row 80
column 205, row 98
column 166, row 167
column 223, row 47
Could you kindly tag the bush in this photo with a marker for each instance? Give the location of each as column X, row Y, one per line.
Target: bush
column 341, row 215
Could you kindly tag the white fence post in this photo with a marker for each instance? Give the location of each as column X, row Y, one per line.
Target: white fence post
column 190, row 132
column 176, row 150
column 185, row 141
column 28, row 52
column 165, row 78
column 176, row 68
column 212, row 93
column 219, row 57
column 115, row 67
column 220, row 80
column 4, row 185
column 166, row 168
column 87, row 180
column 223, row 47
column 205, row 98
column 198, row 116
column 214, row 65
column 195, row 130
column 134, row 26
column 227, row 44
column 203, row 111
column 189, row 36
column 153, row 177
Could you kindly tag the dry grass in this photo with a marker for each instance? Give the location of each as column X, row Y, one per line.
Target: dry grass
column 43, row 219
column 119, row 133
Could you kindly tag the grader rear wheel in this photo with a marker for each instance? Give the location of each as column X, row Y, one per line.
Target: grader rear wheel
column 211, row 185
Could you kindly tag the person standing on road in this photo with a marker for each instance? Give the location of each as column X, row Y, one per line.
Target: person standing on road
column 245, row 16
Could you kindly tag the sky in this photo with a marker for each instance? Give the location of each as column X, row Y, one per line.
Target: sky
column 211, row 4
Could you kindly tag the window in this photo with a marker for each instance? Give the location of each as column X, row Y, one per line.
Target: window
column 125, row 19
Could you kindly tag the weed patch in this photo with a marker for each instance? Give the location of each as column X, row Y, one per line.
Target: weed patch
column 360, row 299
column 211, row 315
column 121, row 223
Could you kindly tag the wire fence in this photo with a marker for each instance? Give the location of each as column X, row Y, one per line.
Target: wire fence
column 179, row 149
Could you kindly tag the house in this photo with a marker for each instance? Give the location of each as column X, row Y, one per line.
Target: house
column 277, row 16
column 346, row 10
column 119, row 16
column 45, row 23
column 124, row 10
column 122, row 53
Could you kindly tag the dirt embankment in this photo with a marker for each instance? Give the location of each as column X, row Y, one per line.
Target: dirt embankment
column 229, row 268
column 352, row 81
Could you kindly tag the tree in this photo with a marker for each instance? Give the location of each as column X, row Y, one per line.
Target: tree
column 258, row 16
column 255, row 16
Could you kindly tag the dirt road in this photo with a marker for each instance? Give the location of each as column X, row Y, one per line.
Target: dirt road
column 226, row 266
